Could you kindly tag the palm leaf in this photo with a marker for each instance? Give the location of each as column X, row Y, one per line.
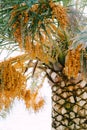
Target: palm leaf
column 81, row 38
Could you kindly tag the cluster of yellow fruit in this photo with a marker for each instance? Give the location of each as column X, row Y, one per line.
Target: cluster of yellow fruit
column 60, row 13
column 13, row 85
column 73, row 63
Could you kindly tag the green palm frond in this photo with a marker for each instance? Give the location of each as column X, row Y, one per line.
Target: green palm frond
column 81, row 38
column 32, row 26
column 6, row 3
column 36, row 24
column 34, row 18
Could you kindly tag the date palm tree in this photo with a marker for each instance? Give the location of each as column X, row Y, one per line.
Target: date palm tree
column 51, row 37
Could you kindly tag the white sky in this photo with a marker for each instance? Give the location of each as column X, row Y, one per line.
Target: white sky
column 22, row 119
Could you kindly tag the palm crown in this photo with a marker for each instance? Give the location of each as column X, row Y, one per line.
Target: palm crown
column 48, row 32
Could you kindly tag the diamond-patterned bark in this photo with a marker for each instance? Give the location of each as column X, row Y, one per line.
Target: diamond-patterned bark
column 69, row 108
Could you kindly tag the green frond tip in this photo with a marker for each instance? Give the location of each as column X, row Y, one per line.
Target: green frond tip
column 9, row 3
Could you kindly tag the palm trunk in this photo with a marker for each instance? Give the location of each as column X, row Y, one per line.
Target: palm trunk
column 69, row 104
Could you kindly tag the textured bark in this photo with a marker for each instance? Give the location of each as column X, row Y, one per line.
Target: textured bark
column 69, row 105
